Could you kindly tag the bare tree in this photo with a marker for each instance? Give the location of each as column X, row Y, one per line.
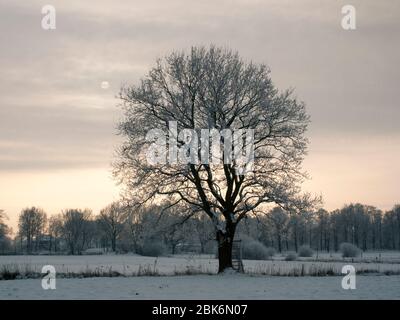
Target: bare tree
column 295, row 224
column 309, row 221
column 31, row 224
column 396, row 212
column 142, row 225
column 376, row 227
column 55, row 230
column 204, row 231
column 279, row 221
column 174, row 226
column 175, row 233
column 392, row 228
column 5, row 241
column 135, row 228
column 214, row 89
column 323, row 227
column 111, row 221
column 76, row 229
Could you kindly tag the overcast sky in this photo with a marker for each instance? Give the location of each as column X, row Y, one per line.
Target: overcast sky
column 57, row 124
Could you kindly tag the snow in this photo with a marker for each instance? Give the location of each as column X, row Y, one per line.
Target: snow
column 126, row 264
column 205, row 287
column 253, row 285
column 129, row 264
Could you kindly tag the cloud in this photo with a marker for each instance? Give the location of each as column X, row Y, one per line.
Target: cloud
column 55, row 115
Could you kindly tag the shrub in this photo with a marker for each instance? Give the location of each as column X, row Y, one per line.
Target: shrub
column 153, row 249
column 255, row 250
column 211, row 247
column 93, row 251
column 291, row 256
column 271, row 252
column 349, row 250
column 305, row 251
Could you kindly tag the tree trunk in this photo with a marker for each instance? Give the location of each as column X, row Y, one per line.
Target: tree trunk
column 393, row 236
column 28, row 246
column 398, row 224
column 202, row 247
column 114, row 242
column 279, row 243
column 173, row 248
column 225, row 240
column 336, row 240
column 71, row 248
column 321, row 244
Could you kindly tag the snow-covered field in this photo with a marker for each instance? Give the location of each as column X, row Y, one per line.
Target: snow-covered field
column 201, row 281
column 130, row 264
column 205, row 287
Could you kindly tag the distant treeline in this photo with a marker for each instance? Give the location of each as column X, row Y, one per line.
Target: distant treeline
column 155, row 230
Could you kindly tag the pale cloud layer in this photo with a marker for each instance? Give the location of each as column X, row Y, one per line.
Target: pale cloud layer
column 56, row 118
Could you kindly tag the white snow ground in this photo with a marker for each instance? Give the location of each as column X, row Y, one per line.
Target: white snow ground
column 129, row 264
column 205, row 287
column 237, row 286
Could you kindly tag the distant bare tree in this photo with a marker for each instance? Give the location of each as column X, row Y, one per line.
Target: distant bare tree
column 31, row 225
column 393, row 221
column 204, row 230
column 279, row 220
column 55, row 230
column 174, row 234
column 376, row 221
column 135, row 229
column 309, row 223
column 142, row 225
column 111, row 221
column 296, row 224
column 5, row 241
column 214, row 89
column 3, row 217
column 174, row 226
column 76, row 229
column 396, row 210
column 323, row 229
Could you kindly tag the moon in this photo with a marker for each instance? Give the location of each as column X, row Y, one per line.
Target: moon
column 105, row 85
